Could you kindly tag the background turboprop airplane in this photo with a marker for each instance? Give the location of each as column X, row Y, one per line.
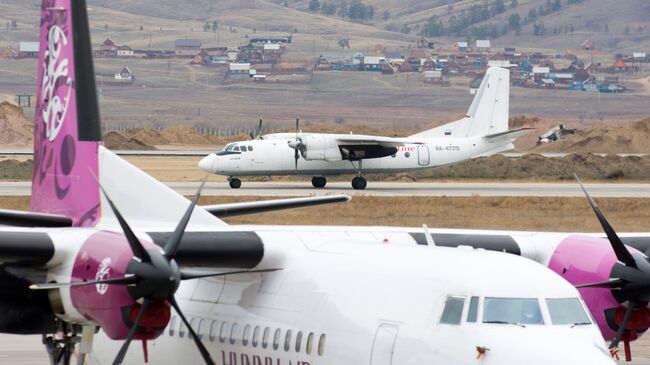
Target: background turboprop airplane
column 483, row 131
column 296, row 298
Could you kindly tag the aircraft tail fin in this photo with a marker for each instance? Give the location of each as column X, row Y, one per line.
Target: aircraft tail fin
column 487, row 115
column 69, row 158
column 67, row 130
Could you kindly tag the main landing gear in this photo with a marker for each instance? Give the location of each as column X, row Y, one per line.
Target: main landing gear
column 60, row 345
column 318, row 181
column 234, row 182
column 359, row 183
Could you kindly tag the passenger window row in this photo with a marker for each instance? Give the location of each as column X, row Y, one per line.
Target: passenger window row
column 226, row 332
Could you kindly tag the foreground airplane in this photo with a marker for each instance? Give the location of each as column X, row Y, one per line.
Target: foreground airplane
column 484, row 131
column 147, row 264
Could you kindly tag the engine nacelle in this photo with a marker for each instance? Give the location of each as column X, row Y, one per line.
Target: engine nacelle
column 584, row 260
column 106, row 255
column 321, row 147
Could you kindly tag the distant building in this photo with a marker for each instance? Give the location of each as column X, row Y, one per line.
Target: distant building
column 187, row 47
column 108, row 45
column 125, row 75
column 28, row 50
column 124, row 51
column 620, row 66
column 8, row 54
column 460, row 46
column 424, row 43
column 587, row 45
column 240, row 68
column 372, row 63
column 286, row 39
column 483, row 45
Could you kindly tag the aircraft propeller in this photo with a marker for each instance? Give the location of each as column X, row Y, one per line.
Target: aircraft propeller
column 297, row 145
column 258, row 133
column 154, row 276
column 631, row 274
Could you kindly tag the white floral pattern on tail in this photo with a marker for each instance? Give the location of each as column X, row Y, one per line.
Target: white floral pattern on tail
column 55, row 109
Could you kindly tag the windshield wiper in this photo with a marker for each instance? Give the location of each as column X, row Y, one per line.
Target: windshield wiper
column 504, row 322
column 580, row 324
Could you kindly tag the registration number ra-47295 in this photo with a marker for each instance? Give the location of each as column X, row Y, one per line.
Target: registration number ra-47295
column 448, row 148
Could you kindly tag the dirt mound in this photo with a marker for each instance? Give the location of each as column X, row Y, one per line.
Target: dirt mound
column 13, row 170
column 519, row 121
column 605, row 138
column 185, row 135
column 146, row 136
column 117, row 141
column 15, row 129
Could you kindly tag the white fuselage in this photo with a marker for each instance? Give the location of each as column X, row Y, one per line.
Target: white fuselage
column 273, row 156
column 352, row 302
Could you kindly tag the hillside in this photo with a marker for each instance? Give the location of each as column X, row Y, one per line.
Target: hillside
column 618, row 26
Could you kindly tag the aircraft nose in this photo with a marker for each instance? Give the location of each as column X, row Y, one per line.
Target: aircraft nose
column 208, row 163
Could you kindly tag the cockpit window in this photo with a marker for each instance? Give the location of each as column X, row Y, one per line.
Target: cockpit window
column 512, row 310
column 236, row 148
column 453, row 310
column 567, row 311
column 230, row 147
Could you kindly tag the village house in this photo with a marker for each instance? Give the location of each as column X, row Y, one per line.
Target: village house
column 201, row 58
column 8, row 54
column 620, row 66
column 124, row 51
column 28, row 49
column 424, row 43
column 187, row 47
column 483, row 45
column 240, row 68
column 125, row 75
column 460, row 47
column 587, row 45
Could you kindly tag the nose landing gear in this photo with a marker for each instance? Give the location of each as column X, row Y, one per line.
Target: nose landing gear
column 318, row 181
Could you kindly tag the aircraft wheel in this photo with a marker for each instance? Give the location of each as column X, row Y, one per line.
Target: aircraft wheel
column 318, row 181
column 235, row 183
column 359, row 183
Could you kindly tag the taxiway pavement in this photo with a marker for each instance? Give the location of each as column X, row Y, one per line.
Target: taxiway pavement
column 618, row 190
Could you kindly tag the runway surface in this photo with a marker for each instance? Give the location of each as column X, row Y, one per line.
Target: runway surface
column 393, row 189
column 28, row 350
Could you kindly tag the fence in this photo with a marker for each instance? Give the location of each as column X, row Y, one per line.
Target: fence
column 212, row 131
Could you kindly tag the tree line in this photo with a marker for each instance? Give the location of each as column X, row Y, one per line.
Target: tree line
column 464, row 22
column 353, row 10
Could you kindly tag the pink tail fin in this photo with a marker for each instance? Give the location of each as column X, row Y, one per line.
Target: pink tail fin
column 67, row 129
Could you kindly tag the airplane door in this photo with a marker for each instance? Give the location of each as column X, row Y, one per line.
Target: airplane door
column 423, row 155
column 384, row 345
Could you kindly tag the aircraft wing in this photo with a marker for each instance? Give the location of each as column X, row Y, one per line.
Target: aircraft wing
column 18, row 218
column 356, row 139
column 235, row 209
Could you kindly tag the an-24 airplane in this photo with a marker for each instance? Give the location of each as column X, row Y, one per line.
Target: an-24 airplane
column 483, row 131
column 93, row 273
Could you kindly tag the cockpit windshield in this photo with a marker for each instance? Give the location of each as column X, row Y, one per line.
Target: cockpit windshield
column 512, row 310
column 230, row 147
column 567, row 311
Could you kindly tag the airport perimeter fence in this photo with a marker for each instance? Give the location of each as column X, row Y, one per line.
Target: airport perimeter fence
column 213, row 131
